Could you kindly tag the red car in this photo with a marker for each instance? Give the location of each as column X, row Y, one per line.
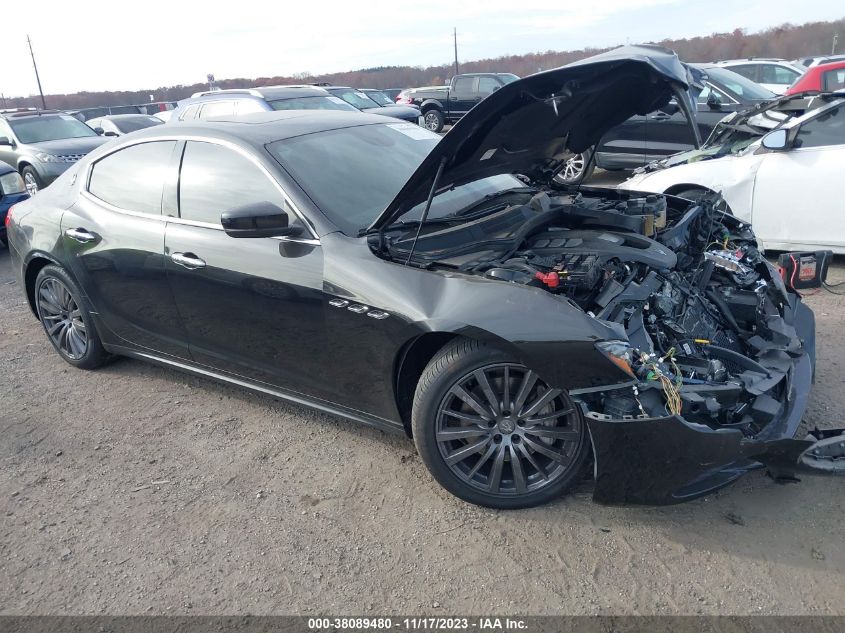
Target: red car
column 822, row 78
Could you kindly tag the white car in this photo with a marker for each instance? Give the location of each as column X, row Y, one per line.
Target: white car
column 788, row 183
column 776, row 75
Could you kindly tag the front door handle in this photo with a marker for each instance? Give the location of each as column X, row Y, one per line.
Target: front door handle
column 660, row 116
column 188, row 260
column 81, row 235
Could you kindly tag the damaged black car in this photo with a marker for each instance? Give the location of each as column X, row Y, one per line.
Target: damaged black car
column 519, row 331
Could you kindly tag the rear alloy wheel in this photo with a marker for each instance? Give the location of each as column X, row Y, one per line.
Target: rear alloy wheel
column 492, row 432
column 434, row 120
column 66, row 319
column 576, row 169
column 31, row 180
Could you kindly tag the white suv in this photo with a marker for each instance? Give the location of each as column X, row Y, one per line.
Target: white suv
column 774, row 74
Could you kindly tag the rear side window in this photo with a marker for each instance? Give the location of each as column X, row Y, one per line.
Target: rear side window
column 772, row 74
column 215, row 179
column 749, row 71
column 464, row 84
column 217, row 109
column 133, row 178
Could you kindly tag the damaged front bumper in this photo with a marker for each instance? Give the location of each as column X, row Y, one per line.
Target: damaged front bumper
column 666, row 460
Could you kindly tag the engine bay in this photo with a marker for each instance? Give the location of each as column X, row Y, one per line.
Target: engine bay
column 707, row 319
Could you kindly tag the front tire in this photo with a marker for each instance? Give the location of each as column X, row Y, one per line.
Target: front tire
column 492, row 432
column 32, row 180
column 434, row 120
column 67, row 319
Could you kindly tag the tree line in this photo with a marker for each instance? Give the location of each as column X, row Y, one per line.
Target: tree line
column 787, row 41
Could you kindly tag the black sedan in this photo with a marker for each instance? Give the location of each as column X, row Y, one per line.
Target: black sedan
column 374, row 271
column 365, row 103
column 655, row 135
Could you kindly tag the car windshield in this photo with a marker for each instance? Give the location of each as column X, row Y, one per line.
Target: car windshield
column 353, row 173
column 49, row 128
column 355, row 97
column 317, row 102
column 136, row 123
column 379, row 97
column 738, row 85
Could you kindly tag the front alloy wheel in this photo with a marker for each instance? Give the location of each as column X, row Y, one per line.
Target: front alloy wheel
column 498, row 435
column 31, row 180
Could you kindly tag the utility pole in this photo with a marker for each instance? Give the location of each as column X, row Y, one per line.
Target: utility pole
column 2, row 96
column 455, row 33
column 833, row 46
column 37, row 78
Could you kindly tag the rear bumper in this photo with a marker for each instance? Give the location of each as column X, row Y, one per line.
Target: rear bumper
column 659, row 461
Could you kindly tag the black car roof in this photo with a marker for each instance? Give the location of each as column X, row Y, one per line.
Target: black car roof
column 261, row 128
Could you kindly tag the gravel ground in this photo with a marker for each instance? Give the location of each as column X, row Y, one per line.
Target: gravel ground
column 139, row 490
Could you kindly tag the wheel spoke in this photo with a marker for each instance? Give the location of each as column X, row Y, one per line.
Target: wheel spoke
column 482, row 460
column 469, row 399
column 76, row 348
column 487, row 390
column 506, row 389
column 461, row 432
column 496, row 471
column 518, row 473
column 552, row 433
column 545, row 450
column 54, row 329
column 468, row 417
column 462, row 453
column 49, row 300
column 541, row 402
column 528, row 382
column 527, row 454
column 549, row 417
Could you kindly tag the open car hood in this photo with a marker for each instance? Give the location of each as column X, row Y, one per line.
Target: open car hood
column 530, row 126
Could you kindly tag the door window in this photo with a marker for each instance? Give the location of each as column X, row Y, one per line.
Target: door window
column 190, row 112
column 218, row 109
column 833, row 80
column 463, row 85
column 487, row 85
column 709, row 91
column 133, row 178
column 215, row 179
column 749, row 71
column 824, row 130
column 780, row 75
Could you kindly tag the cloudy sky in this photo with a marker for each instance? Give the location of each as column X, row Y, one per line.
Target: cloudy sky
column 106, row 45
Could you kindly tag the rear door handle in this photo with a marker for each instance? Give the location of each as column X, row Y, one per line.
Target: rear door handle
column 188, row 260
column 81, row 235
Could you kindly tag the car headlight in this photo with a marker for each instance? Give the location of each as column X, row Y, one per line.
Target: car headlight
column 619, row 353
column 44, row 157
column 11, row 183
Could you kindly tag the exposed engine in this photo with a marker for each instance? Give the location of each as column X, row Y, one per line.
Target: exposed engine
column 702, row 310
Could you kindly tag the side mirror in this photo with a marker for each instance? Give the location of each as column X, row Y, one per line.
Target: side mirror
column 110, row 133
column 99, row 131
column 776, row 140
column 259, row 219
column 714, row 102
column 5, row 140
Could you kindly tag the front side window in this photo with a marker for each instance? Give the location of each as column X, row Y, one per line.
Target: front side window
column 487, row 85
column 834, row 80
column 38, row 129
column 826, row 129
column 711, row 92
column 215, row 179
column 133, row 178
column 190, row 112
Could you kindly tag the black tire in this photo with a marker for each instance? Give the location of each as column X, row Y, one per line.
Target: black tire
column 433, row 120
column 512, row 458
column 66, row 318
column 577, row 169
column 32, row 180
column 697, row 194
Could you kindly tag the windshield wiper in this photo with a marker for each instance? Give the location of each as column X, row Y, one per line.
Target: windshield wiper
column 467, row 210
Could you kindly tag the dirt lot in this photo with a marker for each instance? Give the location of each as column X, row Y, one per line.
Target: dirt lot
column 137, row 490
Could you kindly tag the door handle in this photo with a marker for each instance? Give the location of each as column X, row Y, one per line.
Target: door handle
column 660, row 116
column 81, row 235
column 188, row 260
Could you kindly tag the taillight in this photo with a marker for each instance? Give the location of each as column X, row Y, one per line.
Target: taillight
column 8, row 220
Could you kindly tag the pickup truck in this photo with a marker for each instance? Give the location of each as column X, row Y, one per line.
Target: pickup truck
column 446, row 104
